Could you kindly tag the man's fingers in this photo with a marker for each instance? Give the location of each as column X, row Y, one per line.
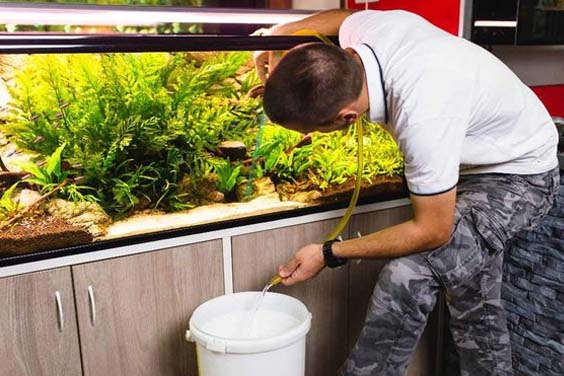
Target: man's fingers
column 288, row 269
column 273, row 59
column 261, row 59
column 295, row 277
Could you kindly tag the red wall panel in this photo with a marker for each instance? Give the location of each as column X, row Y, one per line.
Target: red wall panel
column 552, row 97
column 443, row 13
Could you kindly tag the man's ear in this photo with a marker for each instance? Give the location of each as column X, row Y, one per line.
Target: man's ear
column 347, row 116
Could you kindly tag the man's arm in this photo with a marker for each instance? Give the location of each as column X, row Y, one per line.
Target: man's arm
column 326, row 23
column 430, row 228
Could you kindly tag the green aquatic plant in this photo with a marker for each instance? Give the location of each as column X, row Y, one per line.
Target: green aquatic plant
column 49, row 174
column 142, row 130
column 227, row 175
column 274, row 144
column 135, row 124
column 8, row 207
column 330, row 159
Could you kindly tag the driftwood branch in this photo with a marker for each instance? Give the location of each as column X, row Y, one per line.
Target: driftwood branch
column 8, row 178
column 3, row 166
column 31, row 206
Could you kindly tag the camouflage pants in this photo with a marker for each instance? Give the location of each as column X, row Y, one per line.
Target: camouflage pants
column 490, row 209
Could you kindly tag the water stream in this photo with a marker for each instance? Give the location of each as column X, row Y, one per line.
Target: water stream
column 251, row 323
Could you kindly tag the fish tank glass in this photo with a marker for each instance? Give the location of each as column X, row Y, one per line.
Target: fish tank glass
column 137, row 138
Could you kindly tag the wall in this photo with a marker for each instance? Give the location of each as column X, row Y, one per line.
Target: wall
column 316, row 4
column 553, row 98
column 542, row 68
column 442, row 13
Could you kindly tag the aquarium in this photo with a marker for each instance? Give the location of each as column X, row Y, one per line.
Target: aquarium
column 111, row 139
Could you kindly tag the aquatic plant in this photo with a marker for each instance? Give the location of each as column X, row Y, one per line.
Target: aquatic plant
column 134, row 124
column 227, row 175
column 48, row 174
column 143, row 130
column 330, row 159
column 8, row 207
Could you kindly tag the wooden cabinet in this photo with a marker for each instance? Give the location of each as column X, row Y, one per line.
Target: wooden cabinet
column 133, row 311
column 132, row 315
column 363, row 277
column 38, row 335
column 255, row 260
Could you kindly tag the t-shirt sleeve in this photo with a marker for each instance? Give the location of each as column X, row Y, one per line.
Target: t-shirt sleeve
column 432, row 151
column 353, row 28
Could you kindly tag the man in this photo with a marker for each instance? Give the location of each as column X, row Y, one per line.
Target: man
column 480, row 165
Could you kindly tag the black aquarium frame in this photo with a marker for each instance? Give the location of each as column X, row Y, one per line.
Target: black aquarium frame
column 48, row 43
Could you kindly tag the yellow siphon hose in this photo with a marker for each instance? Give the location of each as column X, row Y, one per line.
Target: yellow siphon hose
column 360, row 140
column 343, row 222
column 313, row 33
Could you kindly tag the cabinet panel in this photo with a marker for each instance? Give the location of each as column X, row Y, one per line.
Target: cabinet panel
column 34, row 341
column 363, row 277
column 143, row 305
column 255, row 260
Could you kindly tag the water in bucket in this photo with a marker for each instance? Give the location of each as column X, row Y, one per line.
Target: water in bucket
column 251, row 334
column 250, row 322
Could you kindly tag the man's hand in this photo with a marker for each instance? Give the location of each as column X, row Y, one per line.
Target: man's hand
column 305, row 264
column 265, row 62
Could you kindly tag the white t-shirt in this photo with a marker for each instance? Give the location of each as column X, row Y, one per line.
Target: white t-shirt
column 453, row 107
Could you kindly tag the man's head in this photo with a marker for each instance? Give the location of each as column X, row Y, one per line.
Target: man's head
column 312, row 88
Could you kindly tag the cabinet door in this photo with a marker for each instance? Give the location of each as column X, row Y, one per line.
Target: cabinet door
column 38, row 335
column 255, row 260
column 133, row 311
column 363, row 277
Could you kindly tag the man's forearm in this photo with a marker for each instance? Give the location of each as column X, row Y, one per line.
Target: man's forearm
column 396, row 241
column 326, row 22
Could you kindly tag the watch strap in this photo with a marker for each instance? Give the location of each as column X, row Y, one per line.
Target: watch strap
column 331, row 260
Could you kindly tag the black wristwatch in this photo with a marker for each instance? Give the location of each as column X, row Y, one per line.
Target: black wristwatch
column 331, row 260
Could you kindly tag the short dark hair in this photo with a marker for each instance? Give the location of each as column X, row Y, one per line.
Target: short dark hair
column 311, row 84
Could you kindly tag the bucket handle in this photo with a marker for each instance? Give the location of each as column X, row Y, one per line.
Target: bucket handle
column 188, row 336
column 212, row 345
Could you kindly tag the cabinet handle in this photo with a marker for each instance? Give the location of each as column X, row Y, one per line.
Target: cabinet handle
column 92, row 305
column 60, row 316
column 358, row 235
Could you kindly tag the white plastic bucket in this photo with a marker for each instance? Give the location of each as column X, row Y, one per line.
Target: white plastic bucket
column 228, row 345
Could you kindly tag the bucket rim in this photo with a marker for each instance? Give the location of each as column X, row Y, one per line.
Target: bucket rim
column 250, row 345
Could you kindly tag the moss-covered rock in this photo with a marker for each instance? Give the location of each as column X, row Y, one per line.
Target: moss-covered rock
column 86, row 215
